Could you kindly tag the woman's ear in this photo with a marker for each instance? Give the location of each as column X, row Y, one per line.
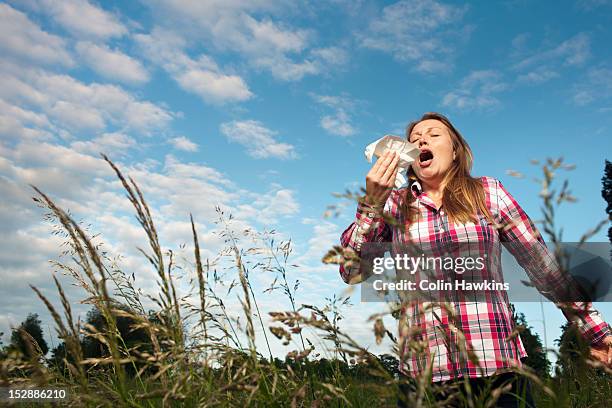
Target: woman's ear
column 454, row 155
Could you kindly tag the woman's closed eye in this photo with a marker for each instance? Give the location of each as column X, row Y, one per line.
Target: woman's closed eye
column 418, row 138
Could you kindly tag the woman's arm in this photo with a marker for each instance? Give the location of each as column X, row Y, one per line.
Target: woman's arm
column 520, row 236
column 369, row 225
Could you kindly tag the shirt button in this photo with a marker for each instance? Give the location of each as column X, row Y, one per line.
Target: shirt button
column 454, row 329
column 442, row 230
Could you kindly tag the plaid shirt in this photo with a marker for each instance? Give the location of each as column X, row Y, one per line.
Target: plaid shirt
column 488, row 326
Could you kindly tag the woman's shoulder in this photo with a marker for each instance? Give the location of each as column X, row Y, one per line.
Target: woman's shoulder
column 489, row 182
column 495, row 193
column 492, row 186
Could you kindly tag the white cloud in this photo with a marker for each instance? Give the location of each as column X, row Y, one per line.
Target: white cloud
column 176, row 168
column 596, row 85
column 22, row 38
column 212, row 86
column 536, row 66
column 230, row 25
column 284, row 68
column 339, row 123
column 287, row 69
column 268, row 208
column 201, row 77
column 74, row 105
column 331, row 55
column 20, row 123
column 422, row 33
column 112, row 64
column 324, row 236
column 183, row 143
column 266, row 35
column 286, row 52
column 258, row 140
column 82, row 18
column 117, row 143
column 572, row 52
column 476, row 91
column 538, row 76
column 76, row 116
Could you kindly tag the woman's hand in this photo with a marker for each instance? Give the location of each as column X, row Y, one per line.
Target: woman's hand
column 381, row 179
column 603, row 352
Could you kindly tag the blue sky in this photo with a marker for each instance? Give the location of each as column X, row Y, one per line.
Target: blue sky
column 265, row 108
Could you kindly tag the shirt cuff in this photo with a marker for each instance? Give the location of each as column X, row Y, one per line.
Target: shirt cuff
column 597, row 334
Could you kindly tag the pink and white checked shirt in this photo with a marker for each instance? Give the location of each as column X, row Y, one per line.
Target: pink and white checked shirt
column 485, row 324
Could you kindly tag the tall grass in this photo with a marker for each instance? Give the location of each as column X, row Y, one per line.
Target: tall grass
column 198, row 354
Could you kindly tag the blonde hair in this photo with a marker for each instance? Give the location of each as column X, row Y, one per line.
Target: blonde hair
column 463, row 197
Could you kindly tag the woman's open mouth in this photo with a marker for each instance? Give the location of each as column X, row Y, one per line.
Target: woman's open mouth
column 425, row 158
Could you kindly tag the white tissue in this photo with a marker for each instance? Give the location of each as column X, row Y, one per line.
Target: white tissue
column 406, row 150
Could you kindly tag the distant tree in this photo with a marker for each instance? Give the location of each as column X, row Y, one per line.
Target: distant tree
column 573, row 352
column 22, row 336
column 130, row 336
column 324, row 368
column 59, row 356
column 536, row 355
column 578, row 384
column 606, row 193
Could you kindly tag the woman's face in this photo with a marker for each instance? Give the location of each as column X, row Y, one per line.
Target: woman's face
column 433, row 138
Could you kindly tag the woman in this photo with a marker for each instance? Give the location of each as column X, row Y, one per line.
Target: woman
column 444, row 203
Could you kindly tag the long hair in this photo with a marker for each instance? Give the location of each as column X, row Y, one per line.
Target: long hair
column 463, row 197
